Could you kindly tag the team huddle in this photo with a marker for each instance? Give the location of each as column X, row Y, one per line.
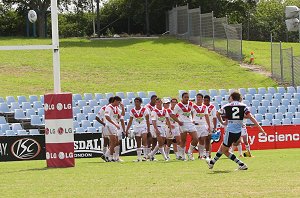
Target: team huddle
column 163, row 123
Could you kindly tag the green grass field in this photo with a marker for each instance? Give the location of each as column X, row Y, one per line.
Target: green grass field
column 163, row 65
column 272, row 173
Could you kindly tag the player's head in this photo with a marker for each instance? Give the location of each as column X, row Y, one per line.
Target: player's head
column 174, row 101
column 166, row 103
column 111, row 100
column 138, row 101
column 153, row 99
column 207, row 100
column 235, row 96
column 185, row 97
column 199, row 98
column 117, row 101
column 158, row 103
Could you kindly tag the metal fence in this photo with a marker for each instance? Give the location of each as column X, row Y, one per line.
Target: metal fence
column 206, row 30
column 285, row 66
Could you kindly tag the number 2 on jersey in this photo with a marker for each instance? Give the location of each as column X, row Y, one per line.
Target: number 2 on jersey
column 235, row 113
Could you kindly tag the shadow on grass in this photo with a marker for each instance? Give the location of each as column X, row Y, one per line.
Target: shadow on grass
column 220, row 172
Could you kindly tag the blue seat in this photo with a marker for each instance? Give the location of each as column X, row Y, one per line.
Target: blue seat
column 37, row 104
column 230, row 91
column 26, row 105
column 125, row 101
column 255, row 103
column 42, row 98
column 10, row 133
column 151, row 93
column 281, row 90
column 226, row 97
column 223, row 92
column 30, row 112
column 294, row 102
column 281, row 109
column 14, row 105
column 268, row 96
column 275, row 102
column 271, row 90
column 129, row 107
column 80, row 117
column 297, row 115
column 258, row 97
column 121, row 95
column 265, row 103
column 97, row 109
column 77, row 97
column 33, row 98
column 75, row 124
column 262, row 110
column 279, row 116
column 127, row 116
column 265, row 123
column 2, row 120
column 287, row 96
column 98, row 96
column 192, row 93
column 291, row 90
column 81, row 103
column 130, row 95
column 93, row 103
column 2, row 100
column 289, row 115
column 4, row 127
column 243, row 91
column 4, row 108
column 22, row 132
column 10, row 99
column 285, row 102
column 86, row 110
column 261, row 90
column 297, row 96
column 34, row 132
column 258, row 117
column 16, row 126
column 146, row 100
column 253, row 110
column 246, row 102
column 292, row 108
column 213, row 92
column 103, row 102
column 269, row 116
column 141, row 94
column 272, row 109
column 249, row 97
column 19, row 114
column 286, row 121
column 296, row 121
column 85, row 124
column 298, row 89
column 276, row 122
column 278, row 96
column 41, row 112
column 223, row 103
column 21, row 99
column 91, row 117
column 91, row 130
column 218, row 99
column 251, row 91
column 96, row 124
column 88, row 96
column 36, row 120
column 79, row 130
column 203, row 92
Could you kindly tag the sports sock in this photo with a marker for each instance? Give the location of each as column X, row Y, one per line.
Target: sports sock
column 207, row 154
column 107, row 153
column 240, row 149
column 104, row 150
column 235, row 159
column 139, row 152
column 191, row 149
column 145, row 151
column 201, row 150
column 154, row 151
column 110, row 157
column 162, row 151
column 116, row 153
column 248, row 147
column 167, row 151
column 218, row 155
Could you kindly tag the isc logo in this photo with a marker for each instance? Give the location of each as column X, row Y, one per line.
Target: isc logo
column 58, row 106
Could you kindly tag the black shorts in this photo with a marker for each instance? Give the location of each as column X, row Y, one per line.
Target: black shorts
column 230, row 138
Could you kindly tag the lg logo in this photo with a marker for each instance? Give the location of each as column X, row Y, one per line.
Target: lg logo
column 60, row 131
column 60, row 155
column 59, row 107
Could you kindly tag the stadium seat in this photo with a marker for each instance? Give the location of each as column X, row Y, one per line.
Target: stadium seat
column 41, row 111
column 269, row 116
column 37, row 104
column 146, row 100
column 297, row 96
column 73, row 103
column 4, row 127
column 4, row 108
column 287, row 96
column 289, row 115
column 294, row 102
column 127, row 116
column 21, row 99
column 88, row 96
column 86, row 110
column 253, row 110
column 276, row 122
column 279, row 116
column 10, row 99
column 291, row 90
column 298, row 89
column 141, row 94
column 29, row 113
column 121, row 95
column 22, row 132
column 255, row 103
column 213, row 92
column 258, row 117
column 93, row 103
column 34, row 132
column 97, row 109
column 243, row 91
column 278, row 96
column 246, row 102
column 249, row 97
column 2, row 100
column 75, row 124
column 192, row 93
column 33, row 98
column 81, row 103
column 261, row 110
column 272, row 109
column 16, row 126
column 91, row 117
column 258, row 97
column 129, row 107
column 268, row 97
column 292, row 108
column 76, row 110
column 2, row 120
column 79, row 130
column 91, row 130
column 281, row 90
column 203, row 92
column 98, row 96
column 10, row 133
column 97, row 125
column 42, row 98
column 85, row 124
column 265, row 103
column 103, row 102
column 222, row 92
column 296, row 121
column 297, row 115
column 125, row 101
column 151, row 93
column 285, row 102
column 80, row 117
column 14, row 105
column 130, row 95
column 275, row 102
column 36, row 120
column 281, row 109
column 26, row 105
column 216, row 105
column 226, row 97
column 19, row 114
column 230, row 91
column 265, row 123
column 261, row 90
column 218, row 99
column 77, row 97
column 251, row 91
column 223, row 103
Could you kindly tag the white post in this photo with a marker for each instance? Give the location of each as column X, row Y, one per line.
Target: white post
column 55, row 43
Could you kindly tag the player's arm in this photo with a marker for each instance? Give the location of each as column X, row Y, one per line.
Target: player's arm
column 168, row 123
column 148, row 122
column 220, row 118
column 215, row 123
column 129, row 125
column 100, row 121
column 123, row 124
column 112, row 122
column 173, row 116
column 250, row 117
column 122, row 109
column 207, row 119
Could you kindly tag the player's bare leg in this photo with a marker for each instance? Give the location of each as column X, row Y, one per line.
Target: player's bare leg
column 113, row 142
column 138, row 140
column 201, row 147
column 193, row 145
column 145, row 146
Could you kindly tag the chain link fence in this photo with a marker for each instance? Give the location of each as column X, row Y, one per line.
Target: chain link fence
column 206, row 30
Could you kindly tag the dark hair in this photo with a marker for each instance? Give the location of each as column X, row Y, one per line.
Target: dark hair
column 207, row 97
column 199, row 94
column 111, row 100
column 157, row 99
column 184, row 93
column 174, row 99
column 236, row 96
column 153, row 96
column 117, row 98
column 138, row 99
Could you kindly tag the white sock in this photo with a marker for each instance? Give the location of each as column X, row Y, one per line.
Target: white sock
column 144, row 151
column 248, row 147
column 139, row 152
column 191, row 149
column 148, row 151
column 201, row 150
column 107, row 153
column 104, row 150
column 177, row 154
column 110, row 157
column 154, row 151
column 116, row 153
column 162, row 151
column 240, row 149
column 180, row 151
column 207, row 154
column 167, row 150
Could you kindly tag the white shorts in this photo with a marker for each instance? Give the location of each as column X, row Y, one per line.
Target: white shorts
column 139, row 130
column 162, row 131
column 112, row 130
column 188, row 127
column 174, row 132
column 153, row 134
column 201, row 131
column 105, row 132
column 244, row 131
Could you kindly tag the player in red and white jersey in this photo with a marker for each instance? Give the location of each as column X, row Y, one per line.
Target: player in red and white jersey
column 185, row 121
column 201, row 120
column 100, row 117
column 114, row 124
column 151, row 137
column 174, row 133
column 140, row 117
column 212, row 114
column 160, row 118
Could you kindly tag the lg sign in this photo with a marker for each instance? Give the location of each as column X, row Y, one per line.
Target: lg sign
column 58, row 106
column 60, row 131
column 60, row 155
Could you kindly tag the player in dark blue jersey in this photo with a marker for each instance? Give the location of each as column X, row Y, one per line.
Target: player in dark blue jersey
column 233, row 115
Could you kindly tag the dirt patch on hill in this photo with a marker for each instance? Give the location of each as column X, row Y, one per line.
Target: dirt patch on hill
column 257, row 69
